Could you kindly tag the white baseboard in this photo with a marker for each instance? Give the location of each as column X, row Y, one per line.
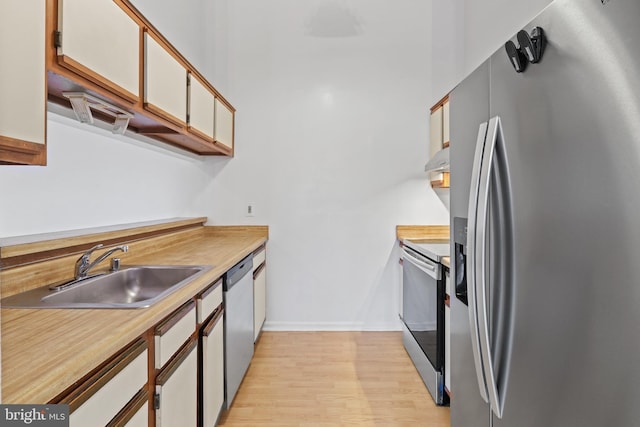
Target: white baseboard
column 330, row 326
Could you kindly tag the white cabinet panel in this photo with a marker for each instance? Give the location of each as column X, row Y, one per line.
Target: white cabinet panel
column 102, row 37
column 177, row 388
column 140, row 419
column 259, row 258
column 173, row 332
column 165, row 81
column 223, row 124
column 259, row 301
column 22, row 74
column 108, row 400
column 445, row 123
column 212, row 370
column 435, row 131
column 209, row 301
column 201, row 108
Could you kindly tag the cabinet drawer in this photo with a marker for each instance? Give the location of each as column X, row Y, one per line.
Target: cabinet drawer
column 177, row 390
column 259, row 257
column 173, row 331
column 102, row 397
column 135, row 414
column 209, row 300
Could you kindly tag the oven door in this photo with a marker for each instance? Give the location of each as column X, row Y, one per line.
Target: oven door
column 423, row 304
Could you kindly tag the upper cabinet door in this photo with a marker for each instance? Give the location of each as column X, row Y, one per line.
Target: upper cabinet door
column 22, row 82
column 165, row 91
column 445, row 124
column 436, row 133
column 102, row 43
column 201, row 109
column 224, row 125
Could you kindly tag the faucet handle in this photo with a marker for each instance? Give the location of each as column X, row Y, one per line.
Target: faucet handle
column 82, row 263
column 90, row 251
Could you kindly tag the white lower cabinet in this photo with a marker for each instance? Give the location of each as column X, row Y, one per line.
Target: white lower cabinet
column 176, row 399
column 259, row 300
column 140, row 418
column 135, row 414
column 212, row 369
column 259, row 290
column 173, row 332
column 104, row 395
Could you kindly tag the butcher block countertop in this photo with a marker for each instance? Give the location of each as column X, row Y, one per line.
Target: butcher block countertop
column 45, row 351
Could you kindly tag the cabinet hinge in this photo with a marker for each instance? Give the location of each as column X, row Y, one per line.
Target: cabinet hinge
column 188, row 118
column 156, row 401
column 57, row 39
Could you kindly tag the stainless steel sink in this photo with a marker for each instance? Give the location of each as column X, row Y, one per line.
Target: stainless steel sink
column 130, row 287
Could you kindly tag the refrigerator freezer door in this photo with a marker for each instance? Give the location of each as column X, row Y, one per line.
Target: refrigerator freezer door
column 469, row 103
column 572, row 132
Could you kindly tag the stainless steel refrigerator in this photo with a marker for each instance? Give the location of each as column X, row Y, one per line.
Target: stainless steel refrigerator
column 545, row 207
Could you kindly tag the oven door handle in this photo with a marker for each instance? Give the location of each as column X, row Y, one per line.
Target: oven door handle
column 423, row 264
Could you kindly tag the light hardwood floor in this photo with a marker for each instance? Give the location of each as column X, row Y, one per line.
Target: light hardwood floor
column 317, row 379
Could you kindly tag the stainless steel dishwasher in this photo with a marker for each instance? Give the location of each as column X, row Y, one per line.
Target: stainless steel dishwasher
column 238, row 326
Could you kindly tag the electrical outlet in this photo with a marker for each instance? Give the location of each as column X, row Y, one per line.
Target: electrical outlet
column 250, row 209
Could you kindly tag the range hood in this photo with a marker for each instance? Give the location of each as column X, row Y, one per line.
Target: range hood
column 439, row 162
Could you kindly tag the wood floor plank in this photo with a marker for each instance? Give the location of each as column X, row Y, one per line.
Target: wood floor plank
column 329, row 379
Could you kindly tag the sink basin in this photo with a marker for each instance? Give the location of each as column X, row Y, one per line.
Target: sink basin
column 130, row 287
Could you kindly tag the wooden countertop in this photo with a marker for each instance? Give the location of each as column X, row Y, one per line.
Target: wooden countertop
column 45, row 351
column 423, row 233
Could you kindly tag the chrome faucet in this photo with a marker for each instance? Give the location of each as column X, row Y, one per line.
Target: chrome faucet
column 84, row 264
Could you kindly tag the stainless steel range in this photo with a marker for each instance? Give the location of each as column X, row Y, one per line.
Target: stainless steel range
column 422, row 313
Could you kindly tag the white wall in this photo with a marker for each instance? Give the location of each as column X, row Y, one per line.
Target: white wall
column 333, row 104
column 489, row 24
column 182, row 22
column 467, row 32
column 94, row 178
column 447, row 46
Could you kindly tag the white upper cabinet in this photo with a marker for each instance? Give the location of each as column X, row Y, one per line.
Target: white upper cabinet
column 22, row 78
column 165, row 91
column 100, row 36
column 224, row 124
column 201, row 108
column 445, row 124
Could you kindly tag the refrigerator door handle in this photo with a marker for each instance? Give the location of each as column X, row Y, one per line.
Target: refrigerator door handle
column 471, row 260
column 494, row 133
